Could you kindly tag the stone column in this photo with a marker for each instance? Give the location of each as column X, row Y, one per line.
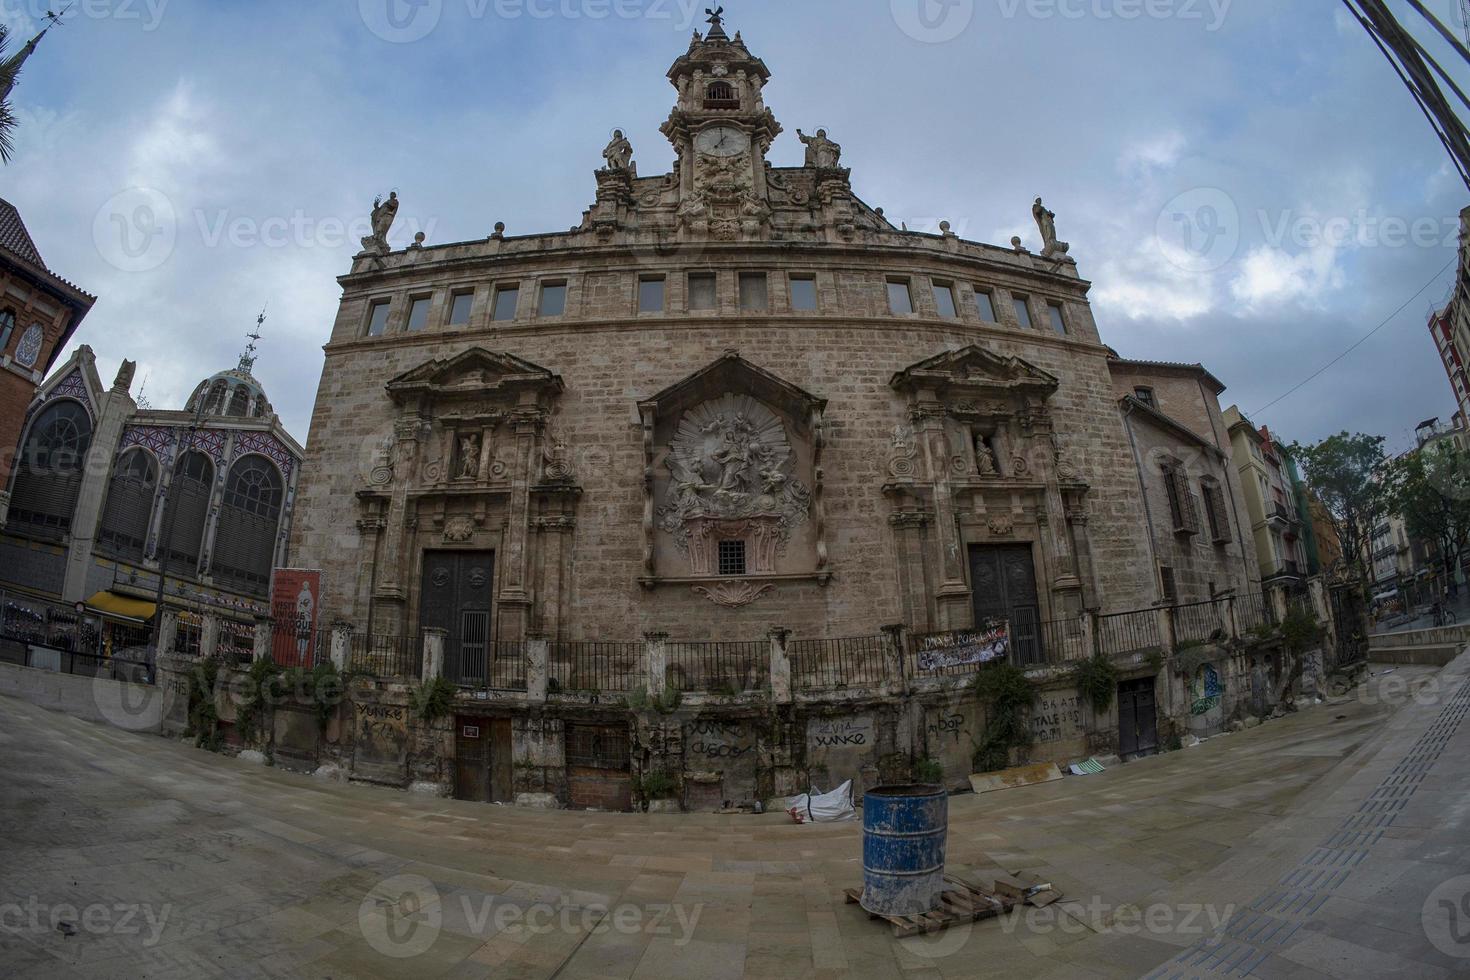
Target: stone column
column 656, row 655
column 113, row 410
column 893, row 663
column 168, row 627
column 341, row 644
column 780, row 665
column 953, row 595
column 1232, row 619
column 538, row 666
column 515, row 598
column 407, row 431
column 209, row 635
column 1278, row 603
column 1088, row 621
column 264, row 629
column 434, row 654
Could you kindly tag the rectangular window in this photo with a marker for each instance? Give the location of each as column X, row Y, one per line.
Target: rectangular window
column 984, row 305
column 7, row 327
column 1166, row 583
column 753, row 292
column 702, row 291
column 732, row 557
column 418, row 313
column 459, row 310
column 944, row 299
column 1058, row 322
column 900, row 300
column 553, row 298
column 1145, row 395
column 651, row 295
column 377, row 318
column 507, row 299
column 1023, row 311
column 803, row 292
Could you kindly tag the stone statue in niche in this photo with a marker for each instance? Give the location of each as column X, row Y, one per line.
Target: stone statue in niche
column 730, row 459
column 985, row 457
column 469, row 457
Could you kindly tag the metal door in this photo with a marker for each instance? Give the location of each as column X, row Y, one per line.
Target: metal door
column 1003, row 586
column 1138, row 724
column 456, row 597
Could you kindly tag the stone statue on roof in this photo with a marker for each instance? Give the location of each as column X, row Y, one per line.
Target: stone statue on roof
column 1046, row 221
column 618, row 152
column 821, row 152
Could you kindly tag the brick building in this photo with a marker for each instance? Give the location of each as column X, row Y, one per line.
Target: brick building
column 732, row 397
column 39, row 312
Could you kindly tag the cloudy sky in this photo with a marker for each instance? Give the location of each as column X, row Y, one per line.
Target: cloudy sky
column 1245, row 182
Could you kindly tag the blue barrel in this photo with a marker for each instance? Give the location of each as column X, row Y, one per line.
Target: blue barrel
column 904, row 830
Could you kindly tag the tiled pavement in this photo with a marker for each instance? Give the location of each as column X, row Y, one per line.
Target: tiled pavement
column 167, row 861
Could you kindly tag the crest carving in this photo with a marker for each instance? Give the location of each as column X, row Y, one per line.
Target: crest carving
column 734, row 594
column 459, row 529
column 730, row 459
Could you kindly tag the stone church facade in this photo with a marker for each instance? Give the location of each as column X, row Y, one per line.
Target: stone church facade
column 734, row 397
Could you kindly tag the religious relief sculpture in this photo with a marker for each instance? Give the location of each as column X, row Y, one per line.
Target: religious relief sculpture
column 383, row 214
column 619, row 152
column 821, row 153
column 730, row 460
column 1046, row 221
column 985, row 457
column 469, row 457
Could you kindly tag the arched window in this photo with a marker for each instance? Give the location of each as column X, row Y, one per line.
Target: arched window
column 239, row 402
column 188, row 506
column 7, row 327
column 245, row 541
column 215, row 403
column 719, row 95
column 49, row 474
column 129, row 508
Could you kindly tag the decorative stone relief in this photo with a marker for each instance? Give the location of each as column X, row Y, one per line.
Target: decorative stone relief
column 556, row 457
column 731, row 460
column 1002, row 527
column 902, row 458
column 734, row 594
column 29, row 348
column 459, row 529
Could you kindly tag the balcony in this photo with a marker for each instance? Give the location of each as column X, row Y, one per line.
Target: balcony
column 1281, row 515
column 1281, row 570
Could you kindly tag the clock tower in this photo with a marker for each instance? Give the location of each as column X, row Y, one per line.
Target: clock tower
column 722, row 131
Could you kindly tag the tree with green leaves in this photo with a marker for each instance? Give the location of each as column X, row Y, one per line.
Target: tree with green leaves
column 1430, row 489
column 1346, row 472
column 9, row 70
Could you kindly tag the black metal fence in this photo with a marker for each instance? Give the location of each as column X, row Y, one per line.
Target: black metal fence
column 834, row 665
column 1199, row 622
column 1254, row 612
column 721, row 668
column 1129, row 632
column 486, row 666
column 1063, row 641
column 591, row 666
column 236, row 644
column 386, row 655
column 188, row 635
column 296, row 643
column 138, row 669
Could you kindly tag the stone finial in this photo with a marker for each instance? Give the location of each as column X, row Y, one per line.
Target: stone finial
column 124, row 379
column 418, row 240
column 1017, row 244
column 499, row 230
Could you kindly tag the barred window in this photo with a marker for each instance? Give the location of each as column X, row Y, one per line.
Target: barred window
column 129, row 508
column 49, row 476
column 1219, row 520
column 245, row 541
column 732, row 557
column 1182, row 506
column 188, row 506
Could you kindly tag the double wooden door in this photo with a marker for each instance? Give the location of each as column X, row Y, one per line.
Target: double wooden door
column 1003, row 586
column 456, row 597
column 1138, row 720
column 482, row 760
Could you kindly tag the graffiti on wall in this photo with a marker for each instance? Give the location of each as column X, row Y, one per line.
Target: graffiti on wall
column 829, row 733
column 1057, row 716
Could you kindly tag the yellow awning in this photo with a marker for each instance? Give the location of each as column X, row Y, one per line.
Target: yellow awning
column 121, row 605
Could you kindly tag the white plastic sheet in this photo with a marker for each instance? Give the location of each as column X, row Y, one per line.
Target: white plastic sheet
column 819, row 807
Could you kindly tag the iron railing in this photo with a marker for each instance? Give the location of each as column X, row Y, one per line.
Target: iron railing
column 833, row 665
column 386, row 655
column 23, row 654
column 591, row 666
column 295, row 643
column 1198, row 622
column 1063, row 641
column 1254, row 612
column 719, row 667
column 1128, row 632
column 487, row 666
column 188, row 636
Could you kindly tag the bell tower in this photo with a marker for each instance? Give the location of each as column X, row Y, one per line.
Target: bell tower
column 722, row 131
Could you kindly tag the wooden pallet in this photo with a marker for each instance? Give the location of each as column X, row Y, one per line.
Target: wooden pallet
column 961, row 902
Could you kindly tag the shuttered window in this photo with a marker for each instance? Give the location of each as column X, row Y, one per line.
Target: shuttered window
column 188, row 507
column 49, row 476
column 129, row 507
column 245, row 541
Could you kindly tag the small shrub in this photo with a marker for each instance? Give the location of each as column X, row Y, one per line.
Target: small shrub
column 1007, row 696
column 1299, row 629
column 433, row 700
column 248, row 715
column 658, row 785
column 203, row 716
column 929, row 771
column 1096, row 679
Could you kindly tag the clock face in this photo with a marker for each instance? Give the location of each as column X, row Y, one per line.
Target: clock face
column 722, row 141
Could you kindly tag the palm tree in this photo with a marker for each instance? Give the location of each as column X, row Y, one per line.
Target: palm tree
column 9, row 69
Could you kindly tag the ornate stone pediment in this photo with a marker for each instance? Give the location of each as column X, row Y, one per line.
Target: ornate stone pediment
column 731, row 372
column 974, row 372
column 476, row 374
